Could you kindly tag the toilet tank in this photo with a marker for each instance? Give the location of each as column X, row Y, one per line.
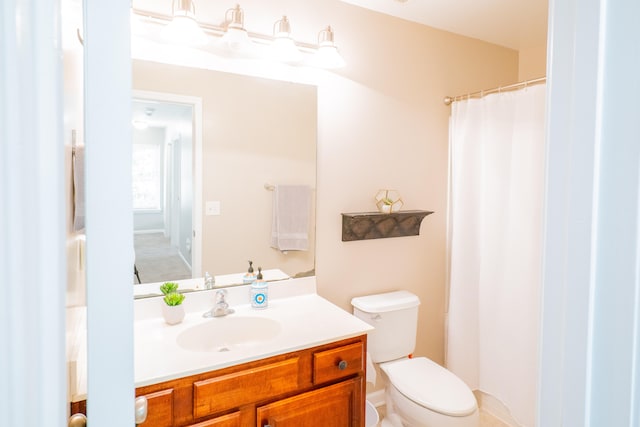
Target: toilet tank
column 394, row 315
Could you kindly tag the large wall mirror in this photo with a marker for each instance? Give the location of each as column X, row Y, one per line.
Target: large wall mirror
column 222, row 141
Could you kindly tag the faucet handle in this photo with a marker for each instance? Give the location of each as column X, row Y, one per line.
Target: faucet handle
column 221, row 308
column 221, row 294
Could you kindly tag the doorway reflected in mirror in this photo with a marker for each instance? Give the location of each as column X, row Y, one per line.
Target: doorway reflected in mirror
column 157, row 260
column 162, row 190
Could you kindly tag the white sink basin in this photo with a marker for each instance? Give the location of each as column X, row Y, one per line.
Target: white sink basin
column 228, row 333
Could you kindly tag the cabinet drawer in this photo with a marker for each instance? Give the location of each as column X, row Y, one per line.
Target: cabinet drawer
column 243, row 387
column 338, row 363
column 159, row 409
column 230, row 420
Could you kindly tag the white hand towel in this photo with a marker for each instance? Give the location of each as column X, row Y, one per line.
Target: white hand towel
column 371, row 371
column 78, row 188
column 290, row 225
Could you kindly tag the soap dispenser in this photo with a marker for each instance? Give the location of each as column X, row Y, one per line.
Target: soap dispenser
column 249, row 276
column 259, row 292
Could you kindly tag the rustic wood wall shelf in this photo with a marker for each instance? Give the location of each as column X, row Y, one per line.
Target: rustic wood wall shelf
column 376, row 225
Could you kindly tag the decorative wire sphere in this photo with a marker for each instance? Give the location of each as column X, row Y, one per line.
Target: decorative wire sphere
column 388, row 201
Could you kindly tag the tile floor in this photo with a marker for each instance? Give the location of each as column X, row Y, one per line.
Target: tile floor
column 488, row 420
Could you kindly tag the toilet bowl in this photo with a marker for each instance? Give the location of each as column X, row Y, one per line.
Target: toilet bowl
column 418, row 391
column 371, row 417
column 421, row 393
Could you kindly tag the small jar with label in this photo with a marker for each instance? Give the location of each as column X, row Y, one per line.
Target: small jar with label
column 259, row 292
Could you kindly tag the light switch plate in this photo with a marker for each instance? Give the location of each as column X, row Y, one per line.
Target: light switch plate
column 212, row 207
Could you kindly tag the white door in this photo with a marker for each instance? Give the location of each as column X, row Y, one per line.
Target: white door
column 32, row 262
column 109, row 223
column 32, row 214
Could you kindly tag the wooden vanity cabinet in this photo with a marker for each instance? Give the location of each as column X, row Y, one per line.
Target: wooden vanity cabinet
column 332, row 406
column 317, row 387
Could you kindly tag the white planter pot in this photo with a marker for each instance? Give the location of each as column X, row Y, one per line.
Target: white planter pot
column 173, row 314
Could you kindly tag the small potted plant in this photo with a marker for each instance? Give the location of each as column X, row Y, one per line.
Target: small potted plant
column 386, row 205
column 168, row 288
column 172, row 309
column 388, row 201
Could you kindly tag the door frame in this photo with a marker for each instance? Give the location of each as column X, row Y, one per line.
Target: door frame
column 196, row 211
column 109, row 223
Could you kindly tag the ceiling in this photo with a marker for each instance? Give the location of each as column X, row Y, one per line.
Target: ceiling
column 161, row 114
column 516, row 24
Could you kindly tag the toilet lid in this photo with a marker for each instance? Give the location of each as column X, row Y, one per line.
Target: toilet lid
column 430, row 385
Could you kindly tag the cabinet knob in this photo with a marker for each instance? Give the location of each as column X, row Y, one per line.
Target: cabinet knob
column 141, row 409
column 343, row 365
column 78, row 420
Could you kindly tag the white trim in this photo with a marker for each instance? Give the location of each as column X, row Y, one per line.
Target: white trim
column 591, row 291
column 615, row 327
column 158, row 230
column 33, row 382
column 109, row 222
column 148, row 211
column 186, row 263
column 491, row 405
column 569, row 218
column 196, row 102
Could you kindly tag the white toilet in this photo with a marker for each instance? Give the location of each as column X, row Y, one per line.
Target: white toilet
column 419, row 392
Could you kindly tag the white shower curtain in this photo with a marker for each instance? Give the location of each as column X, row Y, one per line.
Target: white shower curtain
column 495, row 233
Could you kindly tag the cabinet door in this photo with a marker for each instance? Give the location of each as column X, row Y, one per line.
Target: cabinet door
column 230, row 420
column 159, row 409
column 339, row 405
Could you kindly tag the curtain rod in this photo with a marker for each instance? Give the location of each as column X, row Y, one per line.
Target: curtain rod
column 450, row 99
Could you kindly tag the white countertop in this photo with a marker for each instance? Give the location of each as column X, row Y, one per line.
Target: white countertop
column 306, row 320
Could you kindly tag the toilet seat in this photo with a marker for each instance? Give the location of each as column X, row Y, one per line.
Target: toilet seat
column 431, row 386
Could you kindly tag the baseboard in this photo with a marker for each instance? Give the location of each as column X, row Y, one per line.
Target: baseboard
column 377, row 398
column 495, row 407
column 184, row 260
column 150, row 231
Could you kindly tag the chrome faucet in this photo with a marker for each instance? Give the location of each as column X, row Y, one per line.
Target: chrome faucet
column 221, row 308
column 209, row 281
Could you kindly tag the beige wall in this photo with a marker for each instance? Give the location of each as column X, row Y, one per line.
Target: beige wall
column 382, row 124
column 255, row 132
column 532, row 63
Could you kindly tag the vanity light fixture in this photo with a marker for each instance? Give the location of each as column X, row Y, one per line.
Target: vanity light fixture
column 234, row 39
column 235, row 36
column 283, row 48
column 327, row 55
column 183, row 28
